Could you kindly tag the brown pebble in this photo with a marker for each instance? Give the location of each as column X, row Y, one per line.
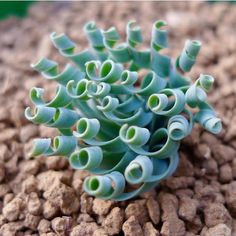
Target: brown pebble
column 203, row 151
column 215, row 214
column 34, row 204
column 187, row 208
column 49, row 210
column 173, row 227
column 61, row 225
column 2, row 172
column 84, row 218
column 84, row 229
column 30, row 167
column 219, row 230
column 31, row 221
column 27, row 132
column 195, row 226
column 7, row 198
column 149, row 230
column 101, row 207
column 48, row 234
column 8, row 134
column 234, row 168
column 4, row 189
column 210, row 166
column 169, row 205
column 100, row 232
column 44, row 226
column 185, row 167
column 48, row 178
column 86, row 203
column 230, row 197
column 62, row 196
column 113, row 221
column 131, row 227
column 12, row 210
column 179, row 182
column 153, row 210
column 139, row 210
column 4, row 153
column 29, row 185
column 56, row 163
column 223, row 153
column 226, row 174
column 3, row 220
column 11, row 228
column 185, row 192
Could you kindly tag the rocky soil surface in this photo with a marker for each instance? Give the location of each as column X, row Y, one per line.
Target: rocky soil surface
column 43, row 196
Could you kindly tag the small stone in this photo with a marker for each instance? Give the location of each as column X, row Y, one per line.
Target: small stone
column 4, row 189
column 230, row 197
column 56, row 163
column 131, row 227
column 173, row 227
column 61, row 225
column 29, row 185
column 34, row 205
column 84, row 218
column 3, row 220
column 30, row 167
column 31, row 221
column 149, row 230
column 101, row 207
column 185, row 167
column 84, row 229
column 2, row 171
column 49, row 210
column 219, row 230
column 12, row 210
column 223, row 153
column 11, row 228
column 210, row 166
column 27, row 132
column 169, row 205
column 187, row 208
column 86, row 203
column 203, row 151
column 153, row 210
column 185, row 192
column 7, row 198
column 195, row 226
column 4, row 153
column 48, row 234
column 179, row 182
column 100, row 232
column 62, row 196
column 215, row 214
column 226, row 174
column 139, row 210
column 48, row 178
column 7, row 135
column 44, row 226
column 113, row 222
column 234, row 168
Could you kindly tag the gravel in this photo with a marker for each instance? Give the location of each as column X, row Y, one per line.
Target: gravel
column 44, row 196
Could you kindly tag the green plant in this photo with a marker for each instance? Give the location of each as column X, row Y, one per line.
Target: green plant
column 125, row 133
column 16, row 8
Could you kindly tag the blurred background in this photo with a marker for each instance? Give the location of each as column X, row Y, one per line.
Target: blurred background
column 207, row 173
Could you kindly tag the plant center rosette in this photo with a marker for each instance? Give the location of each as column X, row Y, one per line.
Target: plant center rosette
column 121, row 111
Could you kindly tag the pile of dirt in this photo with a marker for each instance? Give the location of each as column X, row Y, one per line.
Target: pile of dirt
column 43, row 196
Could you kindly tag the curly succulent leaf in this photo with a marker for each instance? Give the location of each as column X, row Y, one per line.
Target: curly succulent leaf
column 121, row 112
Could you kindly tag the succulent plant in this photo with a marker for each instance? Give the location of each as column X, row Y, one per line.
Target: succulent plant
column 121, row 112
column 16, row 8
